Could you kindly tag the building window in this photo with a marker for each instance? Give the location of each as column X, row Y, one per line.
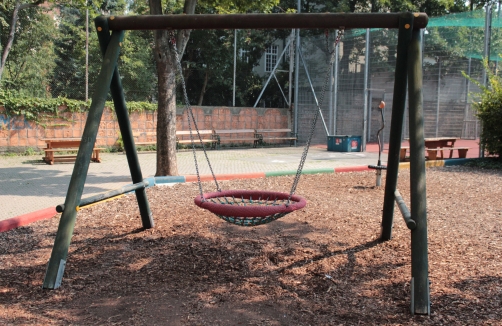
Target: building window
column 244, row 55
column 270, row 58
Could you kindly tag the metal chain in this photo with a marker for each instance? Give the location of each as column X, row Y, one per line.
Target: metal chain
column 191, row 117
column 316, row 116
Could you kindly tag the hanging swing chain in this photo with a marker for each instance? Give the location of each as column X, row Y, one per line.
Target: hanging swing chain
column 190, row 115
column 316, row 116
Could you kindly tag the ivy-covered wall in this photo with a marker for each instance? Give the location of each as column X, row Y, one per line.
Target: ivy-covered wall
column 18, row 133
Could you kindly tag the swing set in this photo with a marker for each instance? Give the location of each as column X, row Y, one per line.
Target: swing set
column 256, row 207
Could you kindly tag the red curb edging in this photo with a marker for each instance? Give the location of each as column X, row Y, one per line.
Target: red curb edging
column 25, row 219
column 352, row 168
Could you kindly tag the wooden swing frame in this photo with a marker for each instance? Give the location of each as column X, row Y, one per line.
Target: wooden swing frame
column 408, row 82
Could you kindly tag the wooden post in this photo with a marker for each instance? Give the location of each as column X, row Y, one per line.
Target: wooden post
column 420, row 300
column 125, row 127
column 396, row 126
column 57, row 261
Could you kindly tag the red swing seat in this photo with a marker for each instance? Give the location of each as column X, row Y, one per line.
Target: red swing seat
column 249, row 207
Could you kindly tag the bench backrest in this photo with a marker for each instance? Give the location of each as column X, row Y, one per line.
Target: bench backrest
column 64, row 143
column 194, row 132
column 272, row 130
column 235, row 131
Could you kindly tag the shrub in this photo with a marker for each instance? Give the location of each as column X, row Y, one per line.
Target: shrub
column 489, row 111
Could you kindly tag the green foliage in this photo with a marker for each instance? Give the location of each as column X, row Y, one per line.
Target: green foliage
column 488, row 106
column 39, row 110
column 31, row 58
column 236, row 6
column 137, row 66
column 30, row 152
column 208, row 66
column 68, row 79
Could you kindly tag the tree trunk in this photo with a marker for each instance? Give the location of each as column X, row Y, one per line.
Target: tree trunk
column 203, row 90
column 166, row 111
column 167, row 163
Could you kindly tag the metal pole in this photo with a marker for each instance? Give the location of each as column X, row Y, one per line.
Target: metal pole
column 297, row 72
column 87, row 55
column 313, row 93
column 396, row 126
column 410, row 223
column 335, row 86
column 235, row 66
column 57, row 261
column 438, row 96
column 291, row 68
column 466, row 99
column 366, row 90
column 106, row 195
column 272, row 74
column 488, row 35
column 420, row 299
column 368, row 126
column 330, row 101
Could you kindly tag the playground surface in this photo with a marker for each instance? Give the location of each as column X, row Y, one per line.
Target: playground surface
column 322, row 265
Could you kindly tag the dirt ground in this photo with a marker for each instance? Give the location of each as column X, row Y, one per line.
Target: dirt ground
column 322, row 265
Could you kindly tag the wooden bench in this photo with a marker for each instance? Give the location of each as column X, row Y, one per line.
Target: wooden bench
column 207, row 137
column 151, row 138
column 65, row 146
column 50, row 158
column 432, row 153
column 182, row 137
column 236, row 136
column 273, row 135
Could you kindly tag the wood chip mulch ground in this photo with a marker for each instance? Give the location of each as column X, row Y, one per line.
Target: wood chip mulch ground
column 323, row 265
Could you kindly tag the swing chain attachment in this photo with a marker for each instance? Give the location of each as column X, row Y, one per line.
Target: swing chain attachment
column 191, row 117
column 339, row 35
column 316, row 116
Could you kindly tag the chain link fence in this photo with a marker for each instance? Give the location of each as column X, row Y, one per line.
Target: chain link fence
column 449, row 52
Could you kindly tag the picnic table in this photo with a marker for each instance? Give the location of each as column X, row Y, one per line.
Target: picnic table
column 438, row 145
column 69, row 147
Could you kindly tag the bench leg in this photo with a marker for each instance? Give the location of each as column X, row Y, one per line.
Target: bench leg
column 432, row 155
column 402, row 154
column 95, row 156
column 49, row 158
column 462, row 152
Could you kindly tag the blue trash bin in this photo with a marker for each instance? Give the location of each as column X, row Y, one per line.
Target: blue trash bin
column 344, row 143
